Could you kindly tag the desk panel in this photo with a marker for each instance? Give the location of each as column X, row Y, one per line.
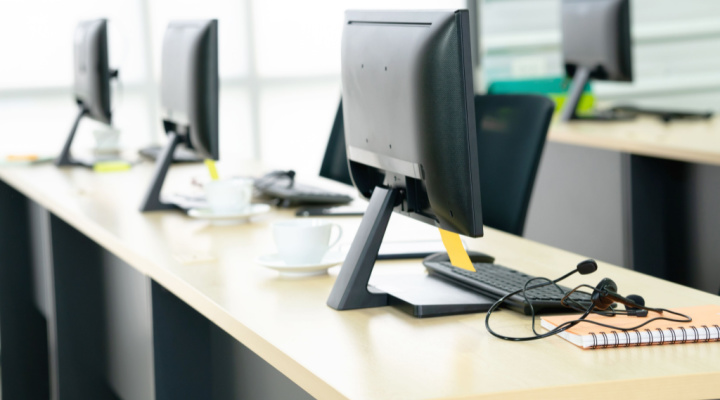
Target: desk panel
column 670, row 198
column 23, row 340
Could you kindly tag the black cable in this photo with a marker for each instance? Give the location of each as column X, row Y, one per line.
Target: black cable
column 555, row 331
column 529, row 302
column 568, row 302
column 685, row 318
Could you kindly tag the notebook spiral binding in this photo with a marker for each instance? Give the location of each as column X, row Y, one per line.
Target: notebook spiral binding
column 603, row 340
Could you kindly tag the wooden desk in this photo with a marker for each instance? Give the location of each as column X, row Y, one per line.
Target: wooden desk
column 364, row 354
column 689, row 141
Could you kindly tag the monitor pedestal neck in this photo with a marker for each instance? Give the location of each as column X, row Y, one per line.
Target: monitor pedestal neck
column 351, row 287
column 65, row 159
column 416, row 294
column 569, row 111
column 151, row 201
column 577, row 86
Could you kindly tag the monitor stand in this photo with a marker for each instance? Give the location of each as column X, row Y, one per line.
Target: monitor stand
column 65, row 159
column 577, row 86
column 151, row 201
column 420, row 295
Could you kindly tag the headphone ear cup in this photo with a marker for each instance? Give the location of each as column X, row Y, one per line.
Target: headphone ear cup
column 600, row 299
column 636, row 311
column 637, row 299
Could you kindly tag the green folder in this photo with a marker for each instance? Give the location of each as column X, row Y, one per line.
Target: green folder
column 555, row 88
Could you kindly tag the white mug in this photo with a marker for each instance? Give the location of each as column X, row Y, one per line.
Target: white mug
column 305, row 240
column 107, row 140
column 229, row 195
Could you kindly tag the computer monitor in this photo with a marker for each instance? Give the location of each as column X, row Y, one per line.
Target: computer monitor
column 335, row 163
column 596, row 44
column 92, row 80
column 189, row 98
column 410, row 133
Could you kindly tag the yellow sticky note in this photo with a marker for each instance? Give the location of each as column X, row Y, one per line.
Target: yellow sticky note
column 111, row 166
column 455, row 249
column 22, row 157
column 211, row 168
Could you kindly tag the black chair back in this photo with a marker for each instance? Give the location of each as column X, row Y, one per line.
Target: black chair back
column 511, row 136
column 335, row 165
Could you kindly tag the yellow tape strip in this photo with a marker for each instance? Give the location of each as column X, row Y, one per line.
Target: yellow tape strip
column 111, row 166
column 211, row 168
column 455, row 249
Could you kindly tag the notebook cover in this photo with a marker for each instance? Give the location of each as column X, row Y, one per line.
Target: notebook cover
column 705, row 323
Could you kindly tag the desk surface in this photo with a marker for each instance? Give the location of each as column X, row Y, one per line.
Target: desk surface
column 372, row 353
column 690, row 141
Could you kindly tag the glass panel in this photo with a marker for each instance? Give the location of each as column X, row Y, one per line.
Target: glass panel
column 232, row 30
column 296, row 38
column 236, row 138
column 41, row 42
column 40, row 124
column 295, row 125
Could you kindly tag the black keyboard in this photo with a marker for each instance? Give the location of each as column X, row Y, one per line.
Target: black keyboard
column 302, row 194
column 666, row 115
column 495, row 281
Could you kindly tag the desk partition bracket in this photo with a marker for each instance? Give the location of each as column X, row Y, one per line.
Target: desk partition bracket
column 351, row 287
column 151, row 201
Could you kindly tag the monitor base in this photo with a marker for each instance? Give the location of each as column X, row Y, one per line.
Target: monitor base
column 423, row 296
column 181, row 154
column 666, row 115
column 330, row 211
column 419, row 295
column 604, row 117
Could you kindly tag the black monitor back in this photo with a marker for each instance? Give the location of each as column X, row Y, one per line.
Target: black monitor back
column 189, row 84
column 596, row 35
column 409, row 114
column 91, row 69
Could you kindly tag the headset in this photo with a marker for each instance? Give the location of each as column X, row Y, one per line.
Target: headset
column 602, row 298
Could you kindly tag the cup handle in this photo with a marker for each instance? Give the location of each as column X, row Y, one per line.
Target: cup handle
column 337, row 239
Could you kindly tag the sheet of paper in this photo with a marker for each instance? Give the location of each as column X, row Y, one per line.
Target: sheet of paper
column 455, row 249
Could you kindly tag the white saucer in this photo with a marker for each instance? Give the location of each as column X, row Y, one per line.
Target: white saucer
column 206, row 213
column 273, row 261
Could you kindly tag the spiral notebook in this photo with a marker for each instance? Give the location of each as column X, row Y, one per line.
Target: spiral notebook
column 705, row 327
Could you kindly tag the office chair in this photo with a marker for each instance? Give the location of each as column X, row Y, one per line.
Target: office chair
column 511, row 136
column 335, row 165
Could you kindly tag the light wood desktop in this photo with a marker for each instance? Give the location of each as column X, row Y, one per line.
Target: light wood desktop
column 693, row 141
column 371, row 353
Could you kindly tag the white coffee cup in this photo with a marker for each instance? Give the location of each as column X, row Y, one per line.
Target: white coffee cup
column 107, row 140
column 304, row 241
column 227, row 196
